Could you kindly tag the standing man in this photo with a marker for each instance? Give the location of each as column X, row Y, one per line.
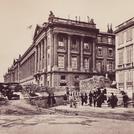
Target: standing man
column 125, row 100
column 113, row 100
column 90, row 98
column 94, row 98
column 82, row 99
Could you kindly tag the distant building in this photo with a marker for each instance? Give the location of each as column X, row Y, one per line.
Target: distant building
column 63, row 52
column 105, row 55
column 125, row 56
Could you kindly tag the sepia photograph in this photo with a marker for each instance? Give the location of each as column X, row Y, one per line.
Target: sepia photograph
column 66, row 67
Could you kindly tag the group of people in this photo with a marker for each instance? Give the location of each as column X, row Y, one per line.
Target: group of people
column 95, row 98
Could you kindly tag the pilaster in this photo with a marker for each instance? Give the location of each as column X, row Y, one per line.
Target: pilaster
column 94, row 56
column 51, row 48
column 55, row 66
column 45, row 54
column 81, row 54
column 36, row 57
column 39, row 56
column 69, row 53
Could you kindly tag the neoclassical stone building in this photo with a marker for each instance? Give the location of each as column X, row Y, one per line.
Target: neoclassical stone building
column 125, row 56
column 63, row 52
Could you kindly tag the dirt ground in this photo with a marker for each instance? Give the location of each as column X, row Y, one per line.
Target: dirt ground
column 63, row 124
column 19, row 117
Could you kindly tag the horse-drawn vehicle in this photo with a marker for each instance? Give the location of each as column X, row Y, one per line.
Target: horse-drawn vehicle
column 8, row 90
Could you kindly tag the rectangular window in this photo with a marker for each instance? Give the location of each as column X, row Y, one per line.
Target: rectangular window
column 129, row 54
column 61, row 61
column 109, row 40
column 86, row 63
column 120, row 56
column 74, row 63
column 121, row 77
column 110, row 52
column 86, row 46
column 63, row 77
column 61, row 44
column 63, row 84
column 99, row 38
column 104, row 39
column 121, row 38
column 75, row 44
column 129, row 35
column 99, row 51
column 99, row 66
column 109, row 66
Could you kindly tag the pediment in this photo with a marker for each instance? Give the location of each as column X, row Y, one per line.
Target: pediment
column 37, row 30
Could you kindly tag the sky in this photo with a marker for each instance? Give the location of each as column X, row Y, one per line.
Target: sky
column 17, row 15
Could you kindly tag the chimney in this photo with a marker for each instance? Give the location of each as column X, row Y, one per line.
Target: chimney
column 111, row 29
column 76, row 18
column 108, row 30
column 88, row 19
column 79, row 18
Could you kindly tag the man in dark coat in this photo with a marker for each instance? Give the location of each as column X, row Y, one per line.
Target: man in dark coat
column 113, row 100
column 100, row 100
column 90, row 98
column 85, row 98
column 94, row 98
column 82, row 99
column 125, row 100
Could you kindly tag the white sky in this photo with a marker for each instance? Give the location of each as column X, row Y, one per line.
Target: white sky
column 17, row 15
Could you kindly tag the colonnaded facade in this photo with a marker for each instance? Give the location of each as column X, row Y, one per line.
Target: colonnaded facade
column 63, row 52
column 125, row 56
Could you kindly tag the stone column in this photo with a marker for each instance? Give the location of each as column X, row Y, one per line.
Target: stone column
column 51, row 49
column 19, row 71
column 55, row 52
column 45, row 54
column 45, row 60
column 94, row 56
column 69, row 53
column 41, row 62
column 81, row 54
column 39, row 57
column 36, row 59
